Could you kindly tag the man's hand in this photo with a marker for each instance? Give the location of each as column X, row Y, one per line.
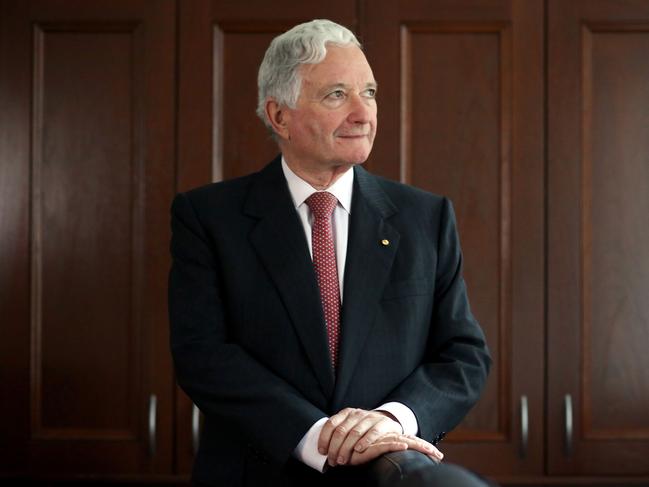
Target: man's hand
column 356, row 436
column 394, row 442
column 354, row 431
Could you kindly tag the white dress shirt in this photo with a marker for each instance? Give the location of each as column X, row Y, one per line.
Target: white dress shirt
column 307, row 450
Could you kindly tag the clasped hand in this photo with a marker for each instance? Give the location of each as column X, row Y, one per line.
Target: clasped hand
column 356, row 436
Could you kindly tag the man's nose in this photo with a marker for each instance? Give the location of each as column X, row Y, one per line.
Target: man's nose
column 360, row 109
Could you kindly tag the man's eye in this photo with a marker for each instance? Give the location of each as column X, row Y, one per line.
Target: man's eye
column 370, row 92
column 337, row 95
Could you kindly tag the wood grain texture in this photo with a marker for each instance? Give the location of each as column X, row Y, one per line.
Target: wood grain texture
column 86, row 232
column 615, row 257
column 597, row 262
column 93, row 164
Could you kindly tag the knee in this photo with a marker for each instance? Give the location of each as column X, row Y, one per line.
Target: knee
column 393, row 468
column 413, row 469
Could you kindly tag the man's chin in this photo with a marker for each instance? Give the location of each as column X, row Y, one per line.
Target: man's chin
column 358, row 158
column 362, row 159
column 356, row 151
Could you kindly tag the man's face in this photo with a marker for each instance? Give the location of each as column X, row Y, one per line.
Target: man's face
column 334, row 122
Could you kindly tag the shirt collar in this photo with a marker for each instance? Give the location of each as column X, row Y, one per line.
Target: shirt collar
column 300, row 190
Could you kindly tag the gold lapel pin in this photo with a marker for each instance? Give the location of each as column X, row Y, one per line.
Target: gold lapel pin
column 385, row 242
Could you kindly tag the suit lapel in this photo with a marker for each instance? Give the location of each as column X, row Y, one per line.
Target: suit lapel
column 279, row 240
column 371, row 248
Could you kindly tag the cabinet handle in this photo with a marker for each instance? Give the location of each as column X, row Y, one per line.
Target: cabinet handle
column 525, row 426
column 153, row 413
column 196, row 434
column 567, row 405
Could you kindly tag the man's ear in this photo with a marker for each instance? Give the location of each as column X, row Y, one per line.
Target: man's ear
column 279, row 118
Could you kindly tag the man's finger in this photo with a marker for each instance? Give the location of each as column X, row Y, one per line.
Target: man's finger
column 380, row 428
column 377, row 449
column 421, row 445
column 327, row 430
column 342, row 432
column 390, row 441
column 370, row 423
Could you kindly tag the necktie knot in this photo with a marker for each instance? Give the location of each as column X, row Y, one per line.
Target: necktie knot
column 322, row 204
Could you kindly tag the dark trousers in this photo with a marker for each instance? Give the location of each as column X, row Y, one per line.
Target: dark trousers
column 413, row 469
column 397, row 469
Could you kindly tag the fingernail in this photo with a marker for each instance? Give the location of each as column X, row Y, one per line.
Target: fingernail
column 341, row 461
column 359, row 447
column 321, row 451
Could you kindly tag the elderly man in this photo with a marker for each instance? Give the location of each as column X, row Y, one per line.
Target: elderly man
column 319, row 317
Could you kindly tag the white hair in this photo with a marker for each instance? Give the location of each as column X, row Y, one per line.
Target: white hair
column 279, row 74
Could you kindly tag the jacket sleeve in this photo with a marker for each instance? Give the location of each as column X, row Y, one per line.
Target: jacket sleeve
column 448, row 382
column 222, row 379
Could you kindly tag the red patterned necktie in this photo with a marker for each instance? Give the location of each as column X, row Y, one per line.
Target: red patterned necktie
column 322, row 205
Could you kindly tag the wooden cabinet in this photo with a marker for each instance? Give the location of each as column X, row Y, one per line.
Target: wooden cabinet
column 598, row 257
column 532, row 115
column 87, row 173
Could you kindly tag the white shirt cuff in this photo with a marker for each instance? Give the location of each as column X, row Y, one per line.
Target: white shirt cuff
column 307, row 449
column 404, row 416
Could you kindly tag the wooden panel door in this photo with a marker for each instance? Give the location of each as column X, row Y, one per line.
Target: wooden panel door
column 221, row 45
column 598, row 261
column 86, row 144
column 461, row 114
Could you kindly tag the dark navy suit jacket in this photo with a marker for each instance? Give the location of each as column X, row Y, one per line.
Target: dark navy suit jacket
column 248, row 335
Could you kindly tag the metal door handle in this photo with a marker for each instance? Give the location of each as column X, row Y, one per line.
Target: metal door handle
column 153, row 413
column 525, row 426
column 196, row 433
column 567, row 405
